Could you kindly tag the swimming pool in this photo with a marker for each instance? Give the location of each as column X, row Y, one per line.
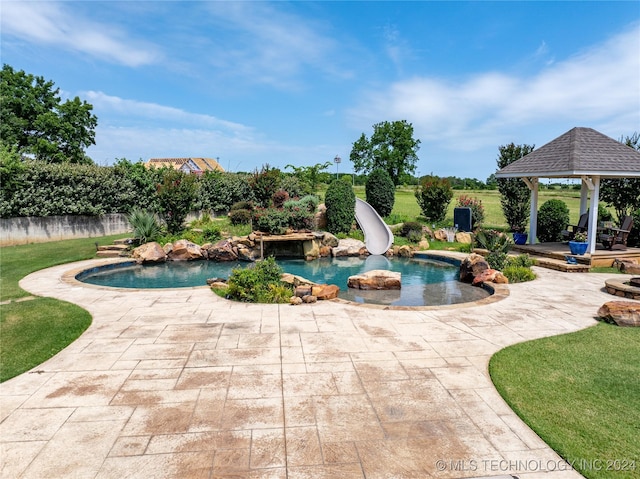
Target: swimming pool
column 425, row 281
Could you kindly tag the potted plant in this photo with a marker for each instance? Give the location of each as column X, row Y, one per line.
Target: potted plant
column 578, row 245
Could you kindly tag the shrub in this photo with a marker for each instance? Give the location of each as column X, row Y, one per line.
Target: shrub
column 295, row 186
column 497, row 260
column 310, row 202
column 259, row 283
column 240, row 217
column 477, row 210
column 434, row 195
column 264, row 184
column 300, row 218
column 279, row 198
column 522, row 260
column 380, row 191
column 340, row 201
column 220, row 190
column 241, row 205
column 145, row 225
column 518, row 274
column 211, row 232
column 553, row 217
column 176, row 195
column 271, row 220
column 412, row 230
column 492, row 240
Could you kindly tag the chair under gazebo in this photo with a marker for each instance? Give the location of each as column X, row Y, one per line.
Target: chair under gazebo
column 585, row 154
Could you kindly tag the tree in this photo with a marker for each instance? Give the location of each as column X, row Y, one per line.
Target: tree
column 380, row 192
column 515, row 197
column 623, row 194
column 36, row 122
column 391, row 148
column 433, row 196
column 310, row 174
column 176, row 195
column 340, row 201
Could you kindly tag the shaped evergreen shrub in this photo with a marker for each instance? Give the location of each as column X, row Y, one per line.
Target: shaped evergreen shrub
column 340, row 201
column 380, row 191
column 553, row 217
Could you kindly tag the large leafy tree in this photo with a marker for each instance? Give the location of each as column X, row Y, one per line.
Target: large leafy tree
column 623, row 193
column 391, row 147
column 35, row 120
column 515, row 197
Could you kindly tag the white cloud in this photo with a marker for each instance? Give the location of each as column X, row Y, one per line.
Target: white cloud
column 53, row 23
column 153, row 112
column 597, row 87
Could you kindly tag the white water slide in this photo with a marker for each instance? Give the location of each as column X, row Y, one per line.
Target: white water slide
column 377, row 236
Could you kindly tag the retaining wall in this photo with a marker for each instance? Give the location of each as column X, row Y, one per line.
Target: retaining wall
column 15, row 231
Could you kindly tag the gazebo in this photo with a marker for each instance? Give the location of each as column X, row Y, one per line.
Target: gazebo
column 579, row 153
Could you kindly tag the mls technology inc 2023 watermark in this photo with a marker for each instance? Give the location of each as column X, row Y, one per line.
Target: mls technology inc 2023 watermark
column 533, row 465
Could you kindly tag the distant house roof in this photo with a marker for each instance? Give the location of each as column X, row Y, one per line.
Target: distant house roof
column 578, row 152
column 188, row 165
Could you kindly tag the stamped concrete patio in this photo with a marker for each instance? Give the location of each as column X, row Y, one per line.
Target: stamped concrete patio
column 183, row 384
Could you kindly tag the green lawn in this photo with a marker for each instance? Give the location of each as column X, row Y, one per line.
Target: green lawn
column 581, row 393
column 33, row 330
column 406, row 204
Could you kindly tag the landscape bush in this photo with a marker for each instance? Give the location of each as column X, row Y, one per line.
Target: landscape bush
column 434, row 195
column 295, row 186
column 279, row 198
column 553, row 217
column 518, row 274
column 264, row 183
column 241, row 205
column 220, row 190
column 145, row 224
column 380, row 191
column 497, row 243
column 412, row 230
column 340, row 201
column 240, row 217
column 176, row 195
column 259, row 283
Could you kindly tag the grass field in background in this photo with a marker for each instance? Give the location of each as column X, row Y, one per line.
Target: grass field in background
column 406, row 204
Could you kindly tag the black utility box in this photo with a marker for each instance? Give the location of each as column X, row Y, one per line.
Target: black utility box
column 462, row 218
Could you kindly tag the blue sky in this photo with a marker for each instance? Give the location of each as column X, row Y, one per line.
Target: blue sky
column 297, row 83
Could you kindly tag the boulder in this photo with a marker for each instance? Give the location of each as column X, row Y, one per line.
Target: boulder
column 489, row 276
column 622, row 313
column 295, row 300
column 320, row 218
column 295, row 280
column 325, row 291
column 310, row 250
column 184, row 250
column 423, row 245
column 472, row 266
column 329, row 240
column 464, row 237
column 348, row 247
column 440, row 235
column 627, row 266
column 223, row 250
column 248, row 254
column 309, row 299
column 325, row 251
column 405, row 251
column 426, row 231
column 302, row 291
column 218, row 284
column 377, row 279
column 149, row 253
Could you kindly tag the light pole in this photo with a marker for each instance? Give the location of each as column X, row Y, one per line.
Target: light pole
column 337, row 161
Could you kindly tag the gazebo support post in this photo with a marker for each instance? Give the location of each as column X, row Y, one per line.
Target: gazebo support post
column 532, row 184
column 587, row 185
column 593, row 213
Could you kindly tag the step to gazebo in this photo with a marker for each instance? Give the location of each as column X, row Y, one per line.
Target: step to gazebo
column 112, row 250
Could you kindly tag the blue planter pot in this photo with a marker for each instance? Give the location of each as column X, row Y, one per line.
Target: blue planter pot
column 577, row 247
column 520, row 238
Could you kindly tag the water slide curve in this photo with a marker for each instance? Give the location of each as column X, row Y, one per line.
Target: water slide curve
column 377, row 236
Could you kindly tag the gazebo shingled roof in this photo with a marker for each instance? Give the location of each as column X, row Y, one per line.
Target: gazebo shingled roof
column 579, row 153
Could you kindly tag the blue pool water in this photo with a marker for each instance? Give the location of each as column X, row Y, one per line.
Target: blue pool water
column 425, row 281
